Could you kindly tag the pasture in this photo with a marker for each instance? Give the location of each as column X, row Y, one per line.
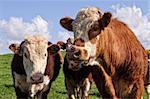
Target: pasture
column 57, row 91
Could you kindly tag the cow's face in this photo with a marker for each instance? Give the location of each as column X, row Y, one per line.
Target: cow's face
column 35, row 60
column 87, row 26
column 34, row 52
column 73, row 63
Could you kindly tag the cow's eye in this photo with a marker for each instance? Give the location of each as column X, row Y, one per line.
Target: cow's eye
column 95, row 28
column 45, row 54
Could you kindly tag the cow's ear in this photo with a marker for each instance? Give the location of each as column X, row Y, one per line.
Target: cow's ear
column 105, row 20
column 49, row 43
column 53, row 49
column 14, row 48
column 61, row 44
column 66, row 22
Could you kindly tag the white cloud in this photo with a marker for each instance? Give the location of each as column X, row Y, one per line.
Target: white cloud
column 63, row 35
column 16, row 29
column 135, row 19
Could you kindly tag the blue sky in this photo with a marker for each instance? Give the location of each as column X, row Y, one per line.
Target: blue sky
column 52, row 11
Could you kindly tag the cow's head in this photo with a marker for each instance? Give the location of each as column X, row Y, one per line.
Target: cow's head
column 34, row 53
column 88, row 24
column 35, row 73
column 73, row 64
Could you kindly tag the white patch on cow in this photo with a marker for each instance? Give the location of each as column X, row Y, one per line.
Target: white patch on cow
column 91, row 48
column 87, row 87
column 34, row 88
column 73, row 97
column 46, row 80
column 34, row 55
column 20, row 81
column 85, row 18
column 92, row 62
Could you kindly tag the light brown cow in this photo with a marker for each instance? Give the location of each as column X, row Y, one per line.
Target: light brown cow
column 110, row 46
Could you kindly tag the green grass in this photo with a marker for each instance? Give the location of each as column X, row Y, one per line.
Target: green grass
column 57, row 91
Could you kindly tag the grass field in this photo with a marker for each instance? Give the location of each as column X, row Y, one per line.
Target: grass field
column 57, row 91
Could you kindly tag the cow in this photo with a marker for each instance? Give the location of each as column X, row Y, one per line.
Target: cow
column 35, row 66
column 77, row 81
column 112, row 49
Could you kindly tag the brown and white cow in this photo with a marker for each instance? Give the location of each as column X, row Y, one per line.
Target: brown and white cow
column 77, row 81
column 34, row 67
column 111, row 48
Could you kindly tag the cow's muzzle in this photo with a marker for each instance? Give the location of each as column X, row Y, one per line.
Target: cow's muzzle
column 78, row 53
column 37, row 78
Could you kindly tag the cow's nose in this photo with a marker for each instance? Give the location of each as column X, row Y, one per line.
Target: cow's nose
column 37, row 78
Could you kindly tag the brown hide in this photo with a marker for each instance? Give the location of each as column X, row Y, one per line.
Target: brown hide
column 123, row 58
column 121, row 52
column 53, row 66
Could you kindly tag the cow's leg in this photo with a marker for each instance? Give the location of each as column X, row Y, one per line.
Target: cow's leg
column 86, row 88
column 147, row 88
column 78, row 92
column 70, row 88
column 42, row 95
column 137, row 90
column 100, row 82
column 109, row 83
column 20, row 94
